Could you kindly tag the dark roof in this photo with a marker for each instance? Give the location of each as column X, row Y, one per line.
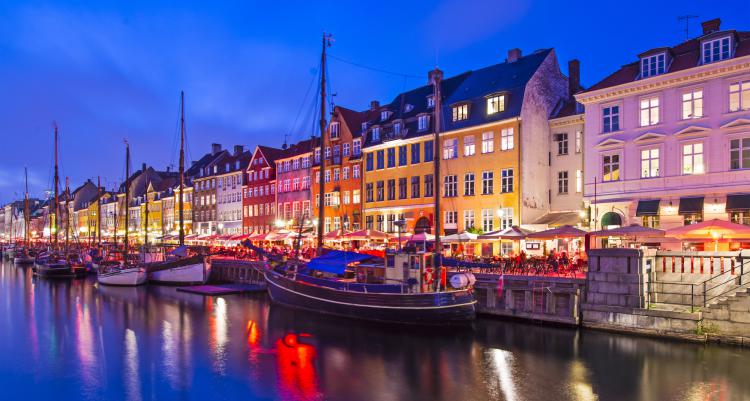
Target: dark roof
column 683, row 56
column 300, row 148
column 204, row 161
column 271, row 154
column 231, row 159
column 567, row 108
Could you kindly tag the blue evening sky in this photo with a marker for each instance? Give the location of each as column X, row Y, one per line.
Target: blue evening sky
column 105, row 71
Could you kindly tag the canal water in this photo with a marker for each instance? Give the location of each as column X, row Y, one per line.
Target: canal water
column 74, row 340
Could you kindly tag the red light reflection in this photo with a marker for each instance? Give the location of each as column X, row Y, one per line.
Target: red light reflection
column 297, row 375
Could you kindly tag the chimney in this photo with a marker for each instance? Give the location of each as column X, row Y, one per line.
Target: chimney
column 513, row 55
column 143, row 167
column 711, row 25
column 238, row 150
column 574, row 77
column 168, row 168
column 433, row 74
column 374, row 105
column 215, row 148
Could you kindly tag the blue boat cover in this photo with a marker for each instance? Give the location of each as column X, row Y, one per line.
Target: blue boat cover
column 336, row 261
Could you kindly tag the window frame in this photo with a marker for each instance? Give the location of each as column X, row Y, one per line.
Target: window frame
column 652, row 110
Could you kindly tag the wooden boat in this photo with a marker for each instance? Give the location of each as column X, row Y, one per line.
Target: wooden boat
column 181, row 270
column 24, row 257
column 53, row 267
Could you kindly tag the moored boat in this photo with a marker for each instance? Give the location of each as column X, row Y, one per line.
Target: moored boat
column 181, row 271
column 122, row 276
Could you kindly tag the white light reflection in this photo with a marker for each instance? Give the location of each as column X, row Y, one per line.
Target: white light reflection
column 501, row 362
column 132, row 377
column 168, row 348
column 218, row 331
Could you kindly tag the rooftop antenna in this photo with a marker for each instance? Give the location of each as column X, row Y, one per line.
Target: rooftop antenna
column 687, row 19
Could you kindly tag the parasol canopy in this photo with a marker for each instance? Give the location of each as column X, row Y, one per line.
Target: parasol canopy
column 335, row 235
column 363, row 235
column 512, row 233
column 558, row 232
column 711, row 229
column 633, row 230
column 461, row 237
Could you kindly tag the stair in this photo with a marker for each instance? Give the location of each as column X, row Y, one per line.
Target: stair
column 729, row 315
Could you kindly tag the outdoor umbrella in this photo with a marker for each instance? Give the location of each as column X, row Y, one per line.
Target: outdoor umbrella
column 512, row 233
column 711, row 229
column 335, row 235
column 364, row 235
column 633, row 230
column 460, row 237
column 558, row 232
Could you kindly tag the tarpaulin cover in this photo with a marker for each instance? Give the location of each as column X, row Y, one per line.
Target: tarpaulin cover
column 336, row 261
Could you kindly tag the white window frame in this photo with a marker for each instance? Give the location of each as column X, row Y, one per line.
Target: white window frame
column 693, row 161
column 653, row 65
column 611, row 164
column 716, row 50
column 649, row 110
column 423, row 122
column 507, row 141
column 334, row 130
column 739, row 95
column 650, row 162
column 470, row 147
column 495, row 104
column 611, row 114
column 450, row 148
column 469, row 219
column 692, row 104
column 488, row 142
column 460, row 112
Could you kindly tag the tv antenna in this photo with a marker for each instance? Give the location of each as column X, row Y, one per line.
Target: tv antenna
column 687, row 19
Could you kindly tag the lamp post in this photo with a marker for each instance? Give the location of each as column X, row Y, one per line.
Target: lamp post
column 400, row 224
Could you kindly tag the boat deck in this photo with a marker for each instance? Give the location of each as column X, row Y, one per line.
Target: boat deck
column 223, row 289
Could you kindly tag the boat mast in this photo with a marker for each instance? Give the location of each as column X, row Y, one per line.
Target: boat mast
column 57, row 197
column 67, row 214
column 127, row 199
column 182, row 165
column 99, row 210
column 322, row 186
column 145, row 230
column 436, row 80
column 26, row 212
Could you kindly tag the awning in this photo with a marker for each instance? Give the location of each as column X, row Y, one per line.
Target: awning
column 647, row 208
column 336, row 261
column 559, row 219
column 691, row 205
column 738, row 202
column 558, row 232
column 611, row 219
column 513, row 233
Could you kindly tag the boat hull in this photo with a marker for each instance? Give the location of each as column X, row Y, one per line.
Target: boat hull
column 23, row 260
column 55, row 270
column 123, row 277
column 188, row 271
column 443, row 308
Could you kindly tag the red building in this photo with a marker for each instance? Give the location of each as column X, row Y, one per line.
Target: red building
column 259, row 191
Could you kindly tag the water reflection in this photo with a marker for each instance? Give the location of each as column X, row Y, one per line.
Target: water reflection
column 75, row 340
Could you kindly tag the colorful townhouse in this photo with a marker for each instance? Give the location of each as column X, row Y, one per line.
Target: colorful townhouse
column 293, row 180
column 171, row 209
column 259, row 191
column 494, row 121
column 203, row 175
column 229, row 184
column 342, row 195
column 667, row 140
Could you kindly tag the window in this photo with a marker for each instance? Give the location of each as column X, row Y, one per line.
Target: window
column 652, row 65
column 611, row 119
column 379, row 196
column 739, row 96
column 450, row 186
column 391, row 157
column 495, row 104
column 429, row 151
column 451, row 217
column 649, row 111
column 327, row 153
column 391, row 189
column 368, row 192
column 336, row 175
column 450, row 148
column 650, row 163
column 469, row 147
column 368, row 222
column 375, row 134
column 345, row 174
column 611, row 167
column 402, row 188
column 415, row 153
column 328, row 175
column 739, row 153
column 740, row 217
column 488, row 142
column 579, row 181
column 506, row 139
column 397, row 129
column 692, row 104
column 562, row 182
column 355, row 197
column 650, row 221
column 415, row 187
column 295, row 184
column 488, row 182
column 295, row 164
column 716, row 50
column 430, row 101
column 487, row 220
column 379, row 219
column 460, row 112
column 428, row 186
column 336, row 223
column 305, row 164
column 334, row 130
column 327, row 224
column 469, row 184
column 402, row 156
column 317, row 155
column 506, row 180
column 692, row 158
column 468, row 219
column 380, row 159
column 384, row 115
column 562, row 143
column 356, row 147
column 506, row 217
column 327, row 199
column 423, row 122
column 355, row 171
column 346, row 147
column 692, row 218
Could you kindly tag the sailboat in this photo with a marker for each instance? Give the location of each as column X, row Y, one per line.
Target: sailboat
column 179, row 267
column 413, row 289
column 51, row 264
column 24, row 256
column 124, row 273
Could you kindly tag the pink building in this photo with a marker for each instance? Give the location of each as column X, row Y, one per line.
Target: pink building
column 667, row 137
column 293, row 184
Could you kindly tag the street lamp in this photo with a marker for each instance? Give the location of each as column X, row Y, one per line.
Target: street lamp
column 400, row 224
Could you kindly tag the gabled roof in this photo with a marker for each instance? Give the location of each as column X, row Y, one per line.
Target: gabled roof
column 270, row 154
column 683, row 56
column 203, row 162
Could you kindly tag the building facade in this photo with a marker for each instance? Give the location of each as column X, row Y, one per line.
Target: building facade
column 293, row 180
column 259, row 192
column 229, row 184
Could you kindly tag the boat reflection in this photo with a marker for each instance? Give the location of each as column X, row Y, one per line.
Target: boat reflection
column 296, row 367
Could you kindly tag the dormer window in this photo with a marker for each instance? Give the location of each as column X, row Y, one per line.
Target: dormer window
column 375, row 134
column 716, row 50
column 364, row 126
column 384, row 115
column 653, row 65
column 334, row 130
column 430, row 101
column 495, row 104
column 423, row 122
column 460, row 112
column 397, row 128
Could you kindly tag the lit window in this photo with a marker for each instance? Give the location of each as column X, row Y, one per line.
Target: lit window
column 430, row 101
column 611, row 167
column 450, row 148
column 579, row 141
column 649, row 111
column 611, row 119
column 716, row 50
column 469, row 147
column 506, row 139
column 650, row 163
column 423, row 122
column 739, row 96
column 488, row 142
column 692, row 104
column 334, row 130
column 652, row 65
column 579, row 180
column 460, row 112
column 692, row 158
column 495, row 104
column 468, row 219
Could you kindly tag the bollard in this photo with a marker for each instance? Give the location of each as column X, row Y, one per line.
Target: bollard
column 692, row 264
